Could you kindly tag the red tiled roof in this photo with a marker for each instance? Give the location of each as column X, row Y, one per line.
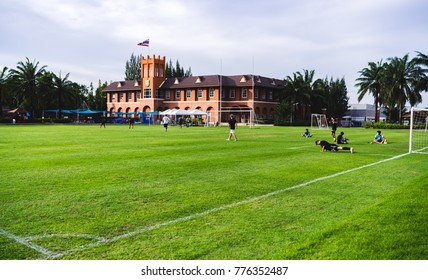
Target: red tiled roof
column 227, row 81
column 123, row 86
column 201, row 81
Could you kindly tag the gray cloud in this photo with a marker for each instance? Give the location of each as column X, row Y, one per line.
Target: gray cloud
column 93, row 39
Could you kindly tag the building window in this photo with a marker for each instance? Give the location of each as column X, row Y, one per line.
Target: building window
column 270, row 95
column 199, row 93
column 244, row 93
column 211, row 93
column 167, row 94
column 177, row 94
column 232, row 93
column 188, row 93
column 147, row 93
column 256, row 93
column 158, row 93
column 138, row 95
column 120, row 96
column 223, row 93
column 129, row 96
column 113, row 96
column 263, row 95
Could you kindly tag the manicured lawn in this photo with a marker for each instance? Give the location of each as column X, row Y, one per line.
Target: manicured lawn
column 84, row 192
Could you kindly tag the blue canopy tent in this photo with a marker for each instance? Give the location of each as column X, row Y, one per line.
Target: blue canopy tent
column 75, row 111
column 87, row 112
column 148, row 117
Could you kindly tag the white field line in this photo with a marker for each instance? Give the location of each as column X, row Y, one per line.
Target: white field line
column 52, row 255
column 24, row 241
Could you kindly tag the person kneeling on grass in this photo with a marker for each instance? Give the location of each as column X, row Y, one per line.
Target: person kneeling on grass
column 325, row 146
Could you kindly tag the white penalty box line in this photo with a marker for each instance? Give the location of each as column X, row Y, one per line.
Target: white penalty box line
column 52, row 254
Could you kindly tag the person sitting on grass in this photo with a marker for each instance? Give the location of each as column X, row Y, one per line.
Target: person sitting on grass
column 341, row 139
column 306, row 134
column 325, row 146
column 379, row 138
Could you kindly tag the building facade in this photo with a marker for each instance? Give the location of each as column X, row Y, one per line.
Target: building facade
column 213, row 94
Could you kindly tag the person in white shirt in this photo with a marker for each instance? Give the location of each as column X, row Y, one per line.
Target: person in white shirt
column 165, row 121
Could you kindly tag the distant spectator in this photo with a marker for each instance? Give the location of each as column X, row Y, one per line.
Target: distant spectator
column 131, row 123
column 103, row 122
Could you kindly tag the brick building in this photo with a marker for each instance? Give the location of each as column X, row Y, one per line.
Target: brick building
column 155, row 92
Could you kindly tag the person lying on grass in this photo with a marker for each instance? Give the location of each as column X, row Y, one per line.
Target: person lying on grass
column 325, row 146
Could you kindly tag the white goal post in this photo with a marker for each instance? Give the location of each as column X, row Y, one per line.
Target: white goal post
column 247, row 117
column 319, row 121
column 418, row 140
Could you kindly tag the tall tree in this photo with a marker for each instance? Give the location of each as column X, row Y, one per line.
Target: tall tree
column 133, row 68
column 401, row 79
column 3, row 81
column 298, row 91
column 298, row 88
column 422, row 60
column 371, row 80
column 176, row 71
column 62, row 87
column 337, row 97
column 26, row 79
column 100, row 98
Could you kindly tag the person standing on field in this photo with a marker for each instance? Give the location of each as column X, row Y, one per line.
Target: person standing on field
column 333, row 128
column 232, row 127
column 165, row 121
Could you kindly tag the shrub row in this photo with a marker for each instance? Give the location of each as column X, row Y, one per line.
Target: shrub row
column 384, row 125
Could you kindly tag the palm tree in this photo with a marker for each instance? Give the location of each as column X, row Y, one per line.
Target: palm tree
column 402, row 77
column 371, row 80
column 25, row 77
column 298, row 89
column 3, row 80
column 62, row 86
column 422, row 60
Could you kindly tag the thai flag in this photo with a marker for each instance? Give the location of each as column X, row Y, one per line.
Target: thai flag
column 145, row 43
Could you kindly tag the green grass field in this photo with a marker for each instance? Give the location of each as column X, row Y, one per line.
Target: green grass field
column 84, row 192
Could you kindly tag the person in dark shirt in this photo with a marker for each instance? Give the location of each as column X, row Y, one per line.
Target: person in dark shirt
column 131, row 123
column 333, row 129
column 232, row 127
column 341, row 139
column 103, row 122
column 325, row 146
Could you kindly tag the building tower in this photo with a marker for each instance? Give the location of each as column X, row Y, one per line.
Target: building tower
column 152, row 76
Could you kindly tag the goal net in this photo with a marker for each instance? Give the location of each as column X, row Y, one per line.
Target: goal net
column 243, row 117
column 319, row 121
column 418, row 142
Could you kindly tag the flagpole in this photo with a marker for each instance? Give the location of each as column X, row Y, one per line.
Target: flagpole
column 221, row 88
column 252, row 85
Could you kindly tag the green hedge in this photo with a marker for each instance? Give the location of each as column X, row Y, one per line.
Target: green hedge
column 384, row 125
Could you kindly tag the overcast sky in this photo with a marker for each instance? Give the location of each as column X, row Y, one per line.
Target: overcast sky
column 93, row 39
